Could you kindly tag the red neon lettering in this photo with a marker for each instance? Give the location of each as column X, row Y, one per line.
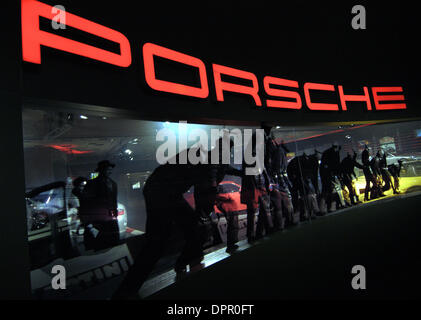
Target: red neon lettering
column 344, row 98
column 388, row 106
column 297, row 104
column 150, row 50
column 33, row 37
column 315, row 105
column 221, row 86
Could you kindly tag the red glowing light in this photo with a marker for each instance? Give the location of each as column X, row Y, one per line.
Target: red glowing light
column 327, row 133
column 221, row 86
column 344, row 98
column 388, row 106
column 33, row 37
column 68, row 148
column 297, row 104
column 316, row 105
column 150, row 50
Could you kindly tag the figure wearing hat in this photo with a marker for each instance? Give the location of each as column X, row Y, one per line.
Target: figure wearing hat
column 98, row 208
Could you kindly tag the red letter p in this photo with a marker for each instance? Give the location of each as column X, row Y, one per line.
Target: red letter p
column 33, row 37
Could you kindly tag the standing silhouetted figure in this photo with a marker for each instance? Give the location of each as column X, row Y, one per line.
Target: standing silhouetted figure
column 385, row 174
column 280, row 195
column 226, row 203
column 165, row 204
column 329, row 173
column 303, row 174
column 310, row 176
column 98, row 209
column 255, row 192
column 371, row 185
column 348, row 165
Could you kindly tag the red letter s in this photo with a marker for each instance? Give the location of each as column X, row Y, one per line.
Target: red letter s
column 267, row 81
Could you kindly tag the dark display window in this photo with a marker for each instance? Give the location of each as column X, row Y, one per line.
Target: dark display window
column 63, row 149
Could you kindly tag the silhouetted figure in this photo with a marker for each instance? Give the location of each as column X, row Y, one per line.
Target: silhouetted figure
column 165, row 204
column 310, row 168
column 280, row 195
column 395, row 171
column 78, row 185
column 371, row 185
column 385, row 174
column 348, row 165
column 74, row 199
column 329, row 173
column 294, row 176
column 375, row 165
column 204, row 204
column 375, row 168
column 98, row 209
column 255, row 193
column 303, row 174
column 225, row 203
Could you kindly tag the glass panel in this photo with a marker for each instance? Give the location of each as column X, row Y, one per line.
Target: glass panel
column 305, row 178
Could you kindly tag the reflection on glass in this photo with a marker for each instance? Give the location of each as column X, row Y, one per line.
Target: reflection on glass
column 62, row 149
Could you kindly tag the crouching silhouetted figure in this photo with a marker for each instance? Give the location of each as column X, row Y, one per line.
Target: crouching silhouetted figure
column 395, row 171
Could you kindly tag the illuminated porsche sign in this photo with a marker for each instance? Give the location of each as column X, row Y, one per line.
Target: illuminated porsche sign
column 33, row 38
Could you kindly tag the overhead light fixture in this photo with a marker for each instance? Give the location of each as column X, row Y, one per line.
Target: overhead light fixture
column 128, row 151
column 104, row 118
column 134, row 141
column 278, row 127
column 83, row 117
